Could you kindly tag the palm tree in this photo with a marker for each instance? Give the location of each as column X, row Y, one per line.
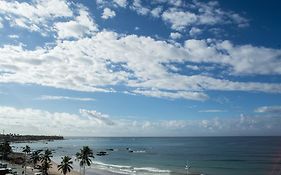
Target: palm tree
column 84, row 156
column 65, row 165
column 46, row 156
column 46, row 161
column 35, row 157
column 45, row 166
column 5, row 149
column 26, row 150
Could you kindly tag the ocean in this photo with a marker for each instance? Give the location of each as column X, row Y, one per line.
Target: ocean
column 169, row 155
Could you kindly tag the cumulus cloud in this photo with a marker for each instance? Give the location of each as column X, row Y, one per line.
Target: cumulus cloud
column 82, row 25
column 108, row 13
column 140, row 64
column 121, row 3
column 48, row 97
column 207, row 14
column 179, row 19
column 175, row 35
column 181, row 15
column 269, row 109
column 93, row 123
column 139, row 8
column 35, row 15
column 156, row 11
column 244, row 59
column 194, row 31
column 141, row 69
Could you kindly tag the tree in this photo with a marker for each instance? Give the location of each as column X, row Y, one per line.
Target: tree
column 5, row 149
column 26, row 150
column 46, row 156
column 45, row 159
column 45, row 166
column 65, row 165
column 35, row 157
column 84, row 156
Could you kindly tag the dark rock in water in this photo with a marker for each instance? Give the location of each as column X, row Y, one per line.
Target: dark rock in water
column 110, row 149
column 102, row 153
column 131, row 151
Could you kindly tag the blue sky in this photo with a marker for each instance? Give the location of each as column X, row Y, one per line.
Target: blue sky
column 140, row 68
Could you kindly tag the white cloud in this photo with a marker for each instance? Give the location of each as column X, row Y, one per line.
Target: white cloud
column 178, row 18
column 205, row 14
column 175, row 35
column 101, row 118
column 121, row 3
column 48, row 97
column 81, row 26
column 194, row 31
column 34, row 15
column 13, row 36
column 193, row 67
column 108, row 13
column 92, row 123
column 244, row 59
column 269, row 109
column 168, row 2
column 139, row 8
column 141, row 64
column 156, row 11
column 146, row 69
column 212, row 111
column 173, row 95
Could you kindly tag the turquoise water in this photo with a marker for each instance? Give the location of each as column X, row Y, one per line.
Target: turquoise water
column 208, row 155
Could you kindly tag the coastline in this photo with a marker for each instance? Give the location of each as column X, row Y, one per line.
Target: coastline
column 90, row 170
column 54, row 170
column 29, row 138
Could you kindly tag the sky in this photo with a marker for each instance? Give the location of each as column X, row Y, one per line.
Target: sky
column 140, row 67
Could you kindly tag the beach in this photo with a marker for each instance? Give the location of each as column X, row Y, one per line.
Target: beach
column 168, row 156
column 54, row 170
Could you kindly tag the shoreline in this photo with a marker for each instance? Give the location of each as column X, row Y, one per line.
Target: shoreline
column 54, row 170
column 28, row 138
column 89, row 170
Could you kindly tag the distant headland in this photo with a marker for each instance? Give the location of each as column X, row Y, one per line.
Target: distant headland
column 24, row 138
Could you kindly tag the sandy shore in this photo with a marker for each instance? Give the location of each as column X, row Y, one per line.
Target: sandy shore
column 54, row 170
column 91, row 171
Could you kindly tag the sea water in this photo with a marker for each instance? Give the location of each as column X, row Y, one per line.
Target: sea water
column 169, row 155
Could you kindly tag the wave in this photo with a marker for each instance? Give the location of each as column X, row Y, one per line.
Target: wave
column 123, row 169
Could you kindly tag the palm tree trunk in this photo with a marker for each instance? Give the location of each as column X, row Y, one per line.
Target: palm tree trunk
column 25, row 163
column 84, row 170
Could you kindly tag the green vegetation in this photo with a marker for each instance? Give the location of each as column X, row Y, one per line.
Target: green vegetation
column 41, row 159
column 65, row 165
column 5, row 149
column 26, row 150
column 84, row 156
column 45, row 161
column 35, row 157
